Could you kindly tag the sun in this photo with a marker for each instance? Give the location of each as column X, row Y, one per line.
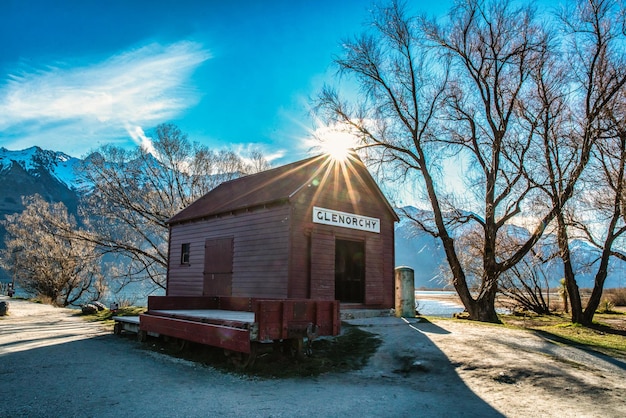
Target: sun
column 338, row 143
column 337, row 151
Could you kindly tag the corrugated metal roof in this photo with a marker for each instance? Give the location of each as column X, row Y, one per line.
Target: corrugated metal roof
column 267, row 187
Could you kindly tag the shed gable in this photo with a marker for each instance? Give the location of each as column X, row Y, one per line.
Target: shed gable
column 282, row 184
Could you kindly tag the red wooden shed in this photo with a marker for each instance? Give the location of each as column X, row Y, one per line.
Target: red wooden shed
column 318, row 229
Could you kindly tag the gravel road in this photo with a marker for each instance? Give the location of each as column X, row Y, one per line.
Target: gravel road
column 55, row 364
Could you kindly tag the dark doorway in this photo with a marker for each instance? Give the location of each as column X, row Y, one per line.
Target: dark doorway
column 218, row 267
column 349, row 271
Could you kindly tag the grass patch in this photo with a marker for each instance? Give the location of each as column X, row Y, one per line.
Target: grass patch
column 606, row 335
column 106, row 315
column 592, row 338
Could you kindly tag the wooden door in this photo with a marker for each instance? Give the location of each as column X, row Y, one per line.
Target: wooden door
column 218, row 267
column 349, row 271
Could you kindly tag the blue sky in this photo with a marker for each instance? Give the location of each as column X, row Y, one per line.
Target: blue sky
column 75, row 75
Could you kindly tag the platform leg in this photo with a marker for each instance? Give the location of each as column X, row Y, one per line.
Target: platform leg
column 179, row 344
column 293, row 347
column 243, row 360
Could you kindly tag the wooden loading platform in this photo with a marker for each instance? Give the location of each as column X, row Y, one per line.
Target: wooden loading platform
column 234, row 323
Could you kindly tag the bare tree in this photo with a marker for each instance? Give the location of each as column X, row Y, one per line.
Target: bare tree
column 602, row 24
column 605, row 190
column 490, row 84
column 46, row 260
column 133, row 193
column 256, row 162
column 571, row 118
column 527, row 284
column 431, row 90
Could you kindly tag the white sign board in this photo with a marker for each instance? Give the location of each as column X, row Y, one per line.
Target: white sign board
column 345, row 220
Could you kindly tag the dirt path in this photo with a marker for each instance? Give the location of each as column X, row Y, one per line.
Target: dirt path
column 55, row 364
column 524, row 374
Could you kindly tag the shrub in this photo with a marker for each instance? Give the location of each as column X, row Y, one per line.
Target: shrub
column 125, row 302
column 45, row 300
column 606, row 306
column 616, row 296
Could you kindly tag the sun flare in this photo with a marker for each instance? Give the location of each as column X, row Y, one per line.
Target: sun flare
column 336, row 142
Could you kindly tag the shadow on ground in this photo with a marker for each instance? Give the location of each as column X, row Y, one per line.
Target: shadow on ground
column 586, row 348
column 394, row 370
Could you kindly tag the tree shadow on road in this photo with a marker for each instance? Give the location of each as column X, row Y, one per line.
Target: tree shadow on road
column 586, row 348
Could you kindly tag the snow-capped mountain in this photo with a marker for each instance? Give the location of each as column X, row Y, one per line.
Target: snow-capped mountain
column 35, row 160
column 35, row 171
column 419, row 251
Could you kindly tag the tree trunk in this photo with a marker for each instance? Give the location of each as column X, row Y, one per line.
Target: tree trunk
column 484, row 309
column 573, row 292
column 484, row 306
column 603, row 270
column 568, row 271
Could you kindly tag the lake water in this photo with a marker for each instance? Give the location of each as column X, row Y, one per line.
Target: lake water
column 133, row 294
column 428, row 305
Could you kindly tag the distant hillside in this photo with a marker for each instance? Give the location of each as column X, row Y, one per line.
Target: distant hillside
column 35, row 171
column 423, row 253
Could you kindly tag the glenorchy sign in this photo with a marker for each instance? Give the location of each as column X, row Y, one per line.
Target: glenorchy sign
column 345, row 220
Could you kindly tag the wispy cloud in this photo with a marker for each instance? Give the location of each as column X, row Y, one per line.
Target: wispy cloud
column 103, row 101
column 140, row 138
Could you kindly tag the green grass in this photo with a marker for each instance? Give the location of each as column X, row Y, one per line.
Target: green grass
column 106, row 315
column 606, row 335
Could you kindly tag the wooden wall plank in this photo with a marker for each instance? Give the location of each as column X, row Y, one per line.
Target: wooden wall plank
column 261, row 238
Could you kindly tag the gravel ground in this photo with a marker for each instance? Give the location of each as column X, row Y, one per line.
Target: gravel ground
column 55, row 364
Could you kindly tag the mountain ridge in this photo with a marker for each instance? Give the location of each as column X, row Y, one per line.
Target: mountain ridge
column 34, row 159
column 52, row 175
